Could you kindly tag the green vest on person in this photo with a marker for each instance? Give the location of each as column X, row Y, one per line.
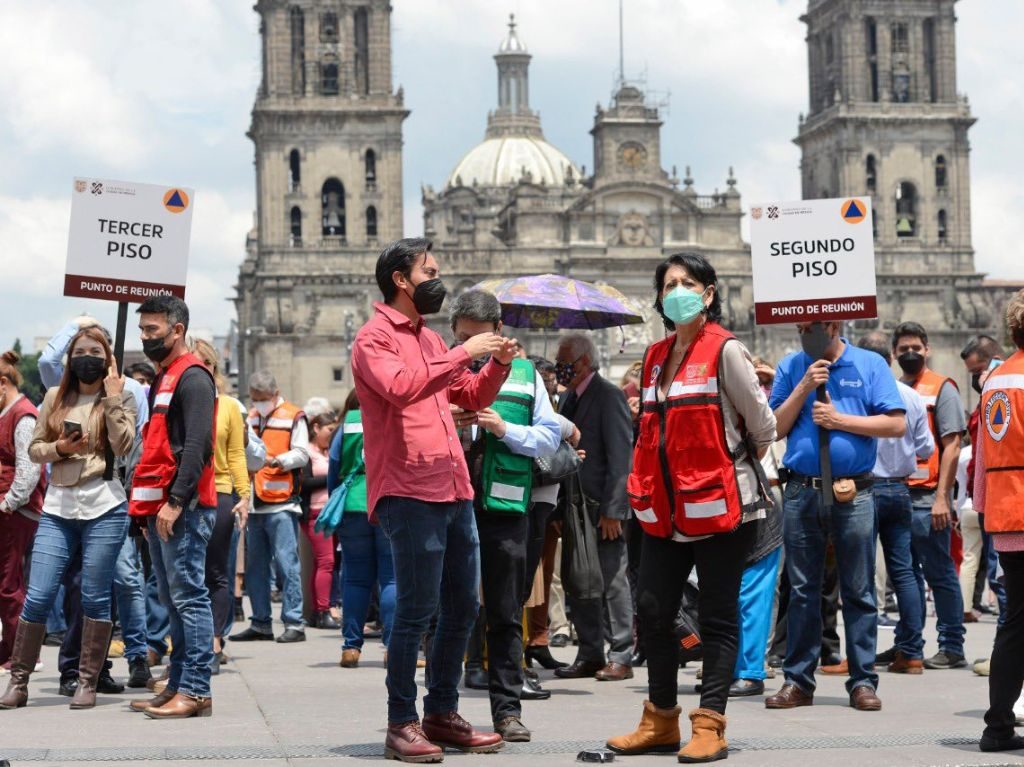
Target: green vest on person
column 507, row 477
column 351, row 455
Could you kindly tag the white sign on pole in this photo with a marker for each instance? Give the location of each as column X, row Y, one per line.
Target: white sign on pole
column 813, row 261
column 127, row 241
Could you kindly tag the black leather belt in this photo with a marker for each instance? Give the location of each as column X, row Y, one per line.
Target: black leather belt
column 860, row 481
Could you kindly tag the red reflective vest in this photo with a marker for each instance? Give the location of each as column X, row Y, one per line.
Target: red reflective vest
column 8, row 423
column 277, row 485
column 684, row 475
column 1002, row 431
column 158, row 467
column 928, row 386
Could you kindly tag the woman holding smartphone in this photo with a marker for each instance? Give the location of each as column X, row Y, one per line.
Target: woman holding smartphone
column 87, row 413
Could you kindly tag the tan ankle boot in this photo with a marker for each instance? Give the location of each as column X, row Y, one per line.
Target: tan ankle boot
column 657, row 733
column 95, row 639
column 27, row 641
column 707, row 744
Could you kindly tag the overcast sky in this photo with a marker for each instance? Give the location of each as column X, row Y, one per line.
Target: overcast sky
column 161, row 92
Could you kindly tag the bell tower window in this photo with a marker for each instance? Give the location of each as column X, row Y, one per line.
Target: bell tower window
column 371, row 222
column 296, row 227
column 332, row 200
column 298, row 38
column 943, row 226
column 906, row 210
column 940, row 172
column 329, row 28
column 371, row 169
column 870, row 174
column 294, row 171
column 329, row 75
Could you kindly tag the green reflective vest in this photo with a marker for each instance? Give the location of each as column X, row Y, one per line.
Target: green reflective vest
column 507, row 477
column 351, row 453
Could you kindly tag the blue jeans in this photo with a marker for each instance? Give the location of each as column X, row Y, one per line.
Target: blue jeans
column 894, row 511
column 158, row 622
column 990, row 559
column 130, row 593
column 273, row 535
column 180, row 567
column 56, row 541
column 933, row 563
column 436, row 551
column 807, row 530
column 757, row 591
column 367, row 557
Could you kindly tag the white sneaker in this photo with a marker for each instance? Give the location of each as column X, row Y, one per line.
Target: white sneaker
column 39, row 666
column 1018, row 711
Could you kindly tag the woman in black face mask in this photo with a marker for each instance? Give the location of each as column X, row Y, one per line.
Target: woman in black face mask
column 79, row 419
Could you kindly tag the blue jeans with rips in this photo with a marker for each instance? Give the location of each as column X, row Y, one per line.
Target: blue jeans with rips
column 180, row 569
column 894, row 511
column 807, row 530
column 436, row 551
column 933, row 563
column 273, row 535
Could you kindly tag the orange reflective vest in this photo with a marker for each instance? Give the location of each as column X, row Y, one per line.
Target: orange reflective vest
column 928, row 385
column 277, row 485
column 683, row 481
column 1002, row 432
column 158, row 466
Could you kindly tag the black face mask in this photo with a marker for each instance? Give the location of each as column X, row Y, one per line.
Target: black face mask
column 976, row 382
column 911, row 362
column 154, row 348
column 815, row 341
column 88, row 369
column 428, row 296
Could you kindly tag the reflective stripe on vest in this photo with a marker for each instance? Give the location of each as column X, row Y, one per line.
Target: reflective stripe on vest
column 683, row 480
column 273, row 485
column 508, row 477
column 1002, row 433
column 158, row 467
column 926, row 476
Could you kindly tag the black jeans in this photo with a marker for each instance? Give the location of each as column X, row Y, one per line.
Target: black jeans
column 1004, row 684
column 664, row 567
column 503, row 539
column 539, row 515
column 219, row 581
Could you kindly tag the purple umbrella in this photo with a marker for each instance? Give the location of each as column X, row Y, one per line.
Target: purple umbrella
column 551, row 301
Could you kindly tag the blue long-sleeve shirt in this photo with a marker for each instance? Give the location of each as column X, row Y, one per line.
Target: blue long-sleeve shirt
column 898, row 457
column 51, row 370
column 543, row 435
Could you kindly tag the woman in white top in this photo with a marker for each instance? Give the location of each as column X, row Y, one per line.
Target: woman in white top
column 87, row 413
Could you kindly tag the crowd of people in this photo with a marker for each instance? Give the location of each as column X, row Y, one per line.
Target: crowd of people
column 682, row 514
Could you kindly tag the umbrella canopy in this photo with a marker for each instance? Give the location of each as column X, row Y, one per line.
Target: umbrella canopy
column 551, row 301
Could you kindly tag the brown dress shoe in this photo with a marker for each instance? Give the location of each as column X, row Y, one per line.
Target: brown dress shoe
column 143, row 703
column 863, row 698
column 790, row 696
column 901, row 664
column 181, row 706
column 580, row 669
column 455, row 732
column 839, row 669
column 407, row 742
column 350, row 658
column 614, row 672
column 970, row 617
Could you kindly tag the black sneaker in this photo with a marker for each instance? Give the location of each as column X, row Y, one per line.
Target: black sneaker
column 1011, row 743
column 252, row 635
column 107, row 685
column 887, row 657
column 944, row 660
column 139, row 673
column 68, row 684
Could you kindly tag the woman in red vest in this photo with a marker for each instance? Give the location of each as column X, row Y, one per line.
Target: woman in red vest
column 22, row 488
column 999, row 495
column 696, row 483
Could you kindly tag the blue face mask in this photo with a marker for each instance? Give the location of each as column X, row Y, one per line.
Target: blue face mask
column 682, row 306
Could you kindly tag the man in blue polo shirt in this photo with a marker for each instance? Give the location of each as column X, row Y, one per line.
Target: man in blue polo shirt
column 862, row 405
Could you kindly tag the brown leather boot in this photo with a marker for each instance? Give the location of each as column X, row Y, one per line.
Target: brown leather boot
column 452, row 730
column 901, row 664
column 95, row 638
column 707, row 744
column 657, row 733
column 181, row 706
column 406, row 742
column 350, row 658
column 143, row 703
column 27, row 641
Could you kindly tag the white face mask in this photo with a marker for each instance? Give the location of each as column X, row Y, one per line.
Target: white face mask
column 265, row 408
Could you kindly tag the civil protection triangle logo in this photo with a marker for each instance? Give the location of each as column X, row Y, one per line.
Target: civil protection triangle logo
column 997, row 415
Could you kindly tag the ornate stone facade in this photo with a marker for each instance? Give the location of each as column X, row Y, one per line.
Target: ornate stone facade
column 327, row 127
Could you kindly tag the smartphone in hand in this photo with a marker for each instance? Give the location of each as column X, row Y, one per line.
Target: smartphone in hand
column 72, row 427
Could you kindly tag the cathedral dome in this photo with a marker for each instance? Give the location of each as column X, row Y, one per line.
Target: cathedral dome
column 504, row 160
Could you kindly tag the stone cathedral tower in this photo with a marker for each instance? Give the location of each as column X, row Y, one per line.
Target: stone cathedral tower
column 327, row 128
column 885, row 119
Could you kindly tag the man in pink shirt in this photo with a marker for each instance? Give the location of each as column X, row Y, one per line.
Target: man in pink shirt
column 419, row 491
